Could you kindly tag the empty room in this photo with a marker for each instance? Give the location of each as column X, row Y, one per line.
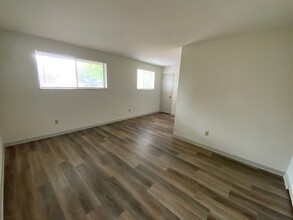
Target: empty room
column 146, row 109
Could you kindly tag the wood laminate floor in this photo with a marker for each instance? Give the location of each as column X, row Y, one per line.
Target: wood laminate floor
column 134, row 169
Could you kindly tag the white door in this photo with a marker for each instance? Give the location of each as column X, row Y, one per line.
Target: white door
column 167, row 92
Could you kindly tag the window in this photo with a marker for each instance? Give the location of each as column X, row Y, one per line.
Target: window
column 145, row 79
column 62, row 72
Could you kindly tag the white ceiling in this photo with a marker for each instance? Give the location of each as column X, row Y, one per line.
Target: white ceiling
column 148, row 30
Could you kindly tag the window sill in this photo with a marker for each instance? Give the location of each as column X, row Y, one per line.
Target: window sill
column 71, row 88
column 147, row 89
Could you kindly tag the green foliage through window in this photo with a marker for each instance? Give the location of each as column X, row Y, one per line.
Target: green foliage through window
column 90, row 74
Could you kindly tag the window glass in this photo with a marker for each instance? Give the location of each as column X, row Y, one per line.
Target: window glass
column 145, row 79
column 90, row 74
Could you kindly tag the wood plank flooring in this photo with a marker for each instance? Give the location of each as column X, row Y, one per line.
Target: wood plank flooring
column 134, row 169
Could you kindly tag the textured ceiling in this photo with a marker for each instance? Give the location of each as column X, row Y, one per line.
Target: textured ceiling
column 148, row 30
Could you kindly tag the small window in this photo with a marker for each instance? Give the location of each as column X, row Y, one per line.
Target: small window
column 60, row 72
column 145, row 79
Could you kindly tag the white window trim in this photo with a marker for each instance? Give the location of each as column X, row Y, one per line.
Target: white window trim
column 145, row 89
column 37, row 52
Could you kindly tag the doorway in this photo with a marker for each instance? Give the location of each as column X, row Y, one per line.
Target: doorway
column 167, row 92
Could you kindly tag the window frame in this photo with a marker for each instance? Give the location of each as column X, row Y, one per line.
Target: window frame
column 144, row 70
column 75, row 59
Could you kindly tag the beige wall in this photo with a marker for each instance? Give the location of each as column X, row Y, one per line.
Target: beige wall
column 28, row 112
column 240, row 89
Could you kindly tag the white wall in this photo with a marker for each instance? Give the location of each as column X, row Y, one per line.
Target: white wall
column 28, row 112
column 1, row 178
column 289, row 179
column 174, row 69
column 240, row 89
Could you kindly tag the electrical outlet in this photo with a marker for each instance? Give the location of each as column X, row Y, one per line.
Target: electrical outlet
column 206, row 133
column 56, row 121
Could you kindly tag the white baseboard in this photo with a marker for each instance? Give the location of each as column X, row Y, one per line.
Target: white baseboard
column 2, row 181
column 73, row 130
column 287, row 181
column 233, row 157
column 291, row 194
column 289, row 186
